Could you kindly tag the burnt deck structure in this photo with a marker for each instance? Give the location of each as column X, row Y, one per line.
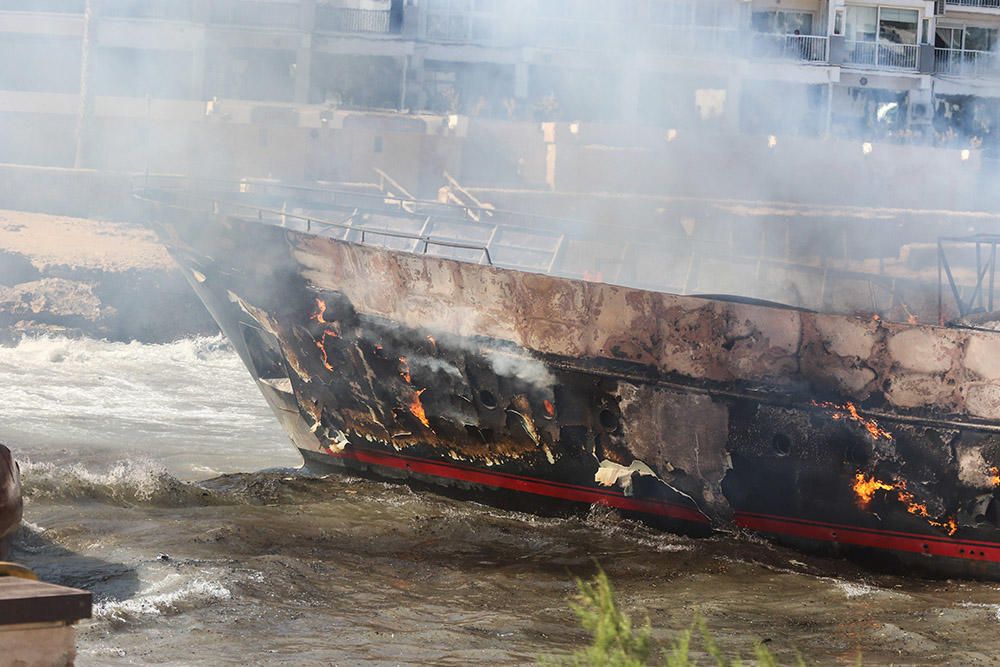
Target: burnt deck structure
column 429, row 355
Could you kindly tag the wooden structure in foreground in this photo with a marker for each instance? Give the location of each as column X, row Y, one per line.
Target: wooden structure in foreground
column 36, row 622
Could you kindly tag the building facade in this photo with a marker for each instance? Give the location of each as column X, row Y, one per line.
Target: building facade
column 903, row 71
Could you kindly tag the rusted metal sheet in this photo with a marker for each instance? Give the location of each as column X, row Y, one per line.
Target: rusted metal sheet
column 902, row 366
column 831, row 432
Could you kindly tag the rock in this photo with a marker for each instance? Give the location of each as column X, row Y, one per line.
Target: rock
column 60, row 299
column 16, row 268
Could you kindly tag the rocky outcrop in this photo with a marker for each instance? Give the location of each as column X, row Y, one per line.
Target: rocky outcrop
column 84, row 277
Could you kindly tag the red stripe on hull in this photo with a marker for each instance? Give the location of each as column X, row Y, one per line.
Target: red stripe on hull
column 799, row 528
column 870, row 537
column 580, row 494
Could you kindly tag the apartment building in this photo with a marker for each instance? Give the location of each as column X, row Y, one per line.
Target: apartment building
column 124, row 71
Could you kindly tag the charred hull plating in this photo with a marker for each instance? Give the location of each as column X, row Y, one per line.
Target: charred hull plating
column 825, row 432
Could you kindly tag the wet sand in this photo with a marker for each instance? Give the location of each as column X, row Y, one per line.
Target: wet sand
column 81, row 244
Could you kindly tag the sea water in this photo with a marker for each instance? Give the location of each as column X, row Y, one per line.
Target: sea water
column 156, row 477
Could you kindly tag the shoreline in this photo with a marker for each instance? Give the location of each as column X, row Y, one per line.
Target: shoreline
column 95, row 278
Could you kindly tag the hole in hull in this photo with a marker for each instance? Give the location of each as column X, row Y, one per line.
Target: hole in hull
column 488, row 400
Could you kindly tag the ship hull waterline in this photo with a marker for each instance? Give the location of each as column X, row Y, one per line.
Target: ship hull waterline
column 828, row 433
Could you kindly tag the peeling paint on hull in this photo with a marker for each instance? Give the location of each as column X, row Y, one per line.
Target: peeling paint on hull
column 698, row 414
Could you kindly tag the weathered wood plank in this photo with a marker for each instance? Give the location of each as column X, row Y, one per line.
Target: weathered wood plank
column 24, row 601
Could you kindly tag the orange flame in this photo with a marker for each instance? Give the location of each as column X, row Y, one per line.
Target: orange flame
column 320, row 312
column 550, row 409
column 417, row 408
column 404, row 370
column 951, row 525
column 906, row 497
column 321, row 344
column 865, row 488
column 849, row 411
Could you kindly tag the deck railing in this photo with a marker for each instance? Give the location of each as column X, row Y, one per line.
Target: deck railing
column 883, row 55
column 343, row 19
column 979, row 4
column 807, row 48
column 957, row 62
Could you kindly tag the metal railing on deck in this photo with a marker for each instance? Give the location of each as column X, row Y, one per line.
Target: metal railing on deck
column 981, row 298
column 958, row 62
column 542, row 244
column 883, row 55
column 808, row 48
column 219, row 204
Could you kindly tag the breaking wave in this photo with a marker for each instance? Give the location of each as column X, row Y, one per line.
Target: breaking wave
column 190, row 405
column 55, row 377
column 146, row 482
column 173, row 594
column 127, row 482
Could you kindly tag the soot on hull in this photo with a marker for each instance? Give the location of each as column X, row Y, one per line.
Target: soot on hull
column 700, row 415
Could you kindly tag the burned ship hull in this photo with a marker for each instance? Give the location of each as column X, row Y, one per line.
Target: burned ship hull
column 841, row 434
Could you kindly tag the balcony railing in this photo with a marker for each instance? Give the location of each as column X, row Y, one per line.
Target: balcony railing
column 882, row 55
column 808, row 48
column 976, row 64
column 978, row 4
column 343, row 19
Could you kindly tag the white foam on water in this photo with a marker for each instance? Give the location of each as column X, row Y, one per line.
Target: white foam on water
column 172, row 594
column 140, row 480
column 189, row 404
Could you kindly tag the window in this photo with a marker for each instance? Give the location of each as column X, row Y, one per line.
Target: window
column 862, row 24
column 969, row 38
column 948, row 38
column 883, row 24
column 980, row 39
column 898, row 26
column 783, row 23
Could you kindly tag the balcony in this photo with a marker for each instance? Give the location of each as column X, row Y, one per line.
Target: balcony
column 342, row 19
column 974, row 4
column 882, row 55
column 972, row 64
column 802, row 48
